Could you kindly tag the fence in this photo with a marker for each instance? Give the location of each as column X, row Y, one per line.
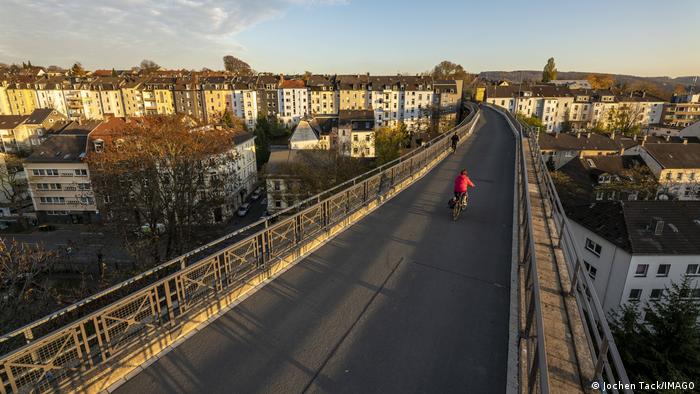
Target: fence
column 606, row 358
column 95, row 349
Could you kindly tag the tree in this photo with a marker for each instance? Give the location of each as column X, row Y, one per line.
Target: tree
column 162, row 179
column 679, row 89
column 623, row 119
column 532, row 121
column 600, row 81
column 77, row 70
column 636, row 179
column 569, row 191
column 148, row 66
column 13, row 183
column 22, row 290
column 388, row 142
column 316, row 170
column 307, row 75
column 550, row 71
column 237, row 66
column 114, row 73
column 661, row 338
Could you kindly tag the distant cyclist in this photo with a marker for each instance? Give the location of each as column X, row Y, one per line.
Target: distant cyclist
column 462, row 182
column 454, row 139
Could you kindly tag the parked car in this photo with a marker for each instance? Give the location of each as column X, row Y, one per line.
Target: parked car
column 256, row 194
column 243, row 210
column 47, row 227
column 146, row 229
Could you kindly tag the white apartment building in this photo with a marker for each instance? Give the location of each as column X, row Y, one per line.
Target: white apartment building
column 50, row 95
column 243, row 103
column 59, row 178
column 633, row 250
column 293, row 101
column 582, row 108
column 355, row 133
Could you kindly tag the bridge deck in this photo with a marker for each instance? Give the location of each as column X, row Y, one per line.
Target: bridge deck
column 559, row 313
column 404, row 301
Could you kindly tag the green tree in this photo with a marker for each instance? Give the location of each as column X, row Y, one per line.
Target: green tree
column 267, row 130
column 531, row 121
column 624, row 119
column 661, row 338
column 388, row 142
column 114, row 73
column 550, row 71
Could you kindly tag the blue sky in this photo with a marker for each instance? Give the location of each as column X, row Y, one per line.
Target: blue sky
column 642, row 37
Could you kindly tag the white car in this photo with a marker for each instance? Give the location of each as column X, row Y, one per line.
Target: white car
column 243, row 210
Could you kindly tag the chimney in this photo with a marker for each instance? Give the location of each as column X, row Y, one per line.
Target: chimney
column 612, row 135
column 578, row 134
column 644, row 93
column 668, row 137
column 634, row 138
column 685, row 141
column 588, row 135
column 657, row 225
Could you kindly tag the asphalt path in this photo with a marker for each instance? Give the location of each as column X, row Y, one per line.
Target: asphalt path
column 405, row 301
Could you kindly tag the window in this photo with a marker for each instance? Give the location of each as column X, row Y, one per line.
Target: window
column 635, row 294
column 679, row 176
column 277, row 185
column 592, row 271
column 693, row 270
column 80, row 172
column 641, row 270
column 593, row 247
column 655, row 294
column 663, row 270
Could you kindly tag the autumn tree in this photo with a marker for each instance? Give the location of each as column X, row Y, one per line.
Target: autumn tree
column 23, row 291
column 13, row 182
column 600, row 81
column 388, row 142
column 550, row 71
column 237, row 66
column 162, row 179
column 77, row 70
column 148, row 66
column 267, row 130
column 679, row 89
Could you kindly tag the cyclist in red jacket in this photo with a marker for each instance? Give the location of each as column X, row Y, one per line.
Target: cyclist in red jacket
column 462, row 182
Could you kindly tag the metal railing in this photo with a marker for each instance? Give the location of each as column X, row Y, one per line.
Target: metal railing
column 608, row 366
column 89, row 344
column 535, row 364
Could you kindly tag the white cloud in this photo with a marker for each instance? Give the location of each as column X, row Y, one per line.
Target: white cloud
column 119, row 32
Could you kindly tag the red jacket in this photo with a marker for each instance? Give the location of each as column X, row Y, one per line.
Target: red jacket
column 461, row 183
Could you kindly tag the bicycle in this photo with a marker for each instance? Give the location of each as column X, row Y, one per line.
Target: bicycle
column 458, row 207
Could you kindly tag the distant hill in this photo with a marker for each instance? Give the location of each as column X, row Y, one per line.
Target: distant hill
column 664, row 85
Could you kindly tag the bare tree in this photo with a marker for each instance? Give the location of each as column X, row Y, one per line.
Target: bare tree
column 162, row 179
column 13, row 183
column 237, row 66
column 148, row 66
column 22, row 289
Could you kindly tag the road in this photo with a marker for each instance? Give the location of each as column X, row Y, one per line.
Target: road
column 405, row 301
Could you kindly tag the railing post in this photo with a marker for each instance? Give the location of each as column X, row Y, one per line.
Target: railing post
column 601, row 358
column 574, row 280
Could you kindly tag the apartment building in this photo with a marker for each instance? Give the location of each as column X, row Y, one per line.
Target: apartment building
column 677, row 168
column 324, row 97
column 353, row 92
column 4, row 100
column 293, row 101
column 633, row 250
column 132, row 97
column 81, row 101
column 447, row 100
column 59, row 178
column 189, row 99
column 315, row 133
column 267, row 95
column 243, row 102
column 683, row 110
column 49, row 93
column 557, row 106
column 109, row 89
column 21, row 96
column 355, row 135
column 560, row 148
column 216, row 93
column 417, row 102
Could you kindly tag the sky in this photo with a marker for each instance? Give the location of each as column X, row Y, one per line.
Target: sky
column 638, row 37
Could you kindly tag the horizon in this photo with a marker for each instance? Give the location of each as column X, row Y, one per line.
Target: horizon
column 293, row 36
